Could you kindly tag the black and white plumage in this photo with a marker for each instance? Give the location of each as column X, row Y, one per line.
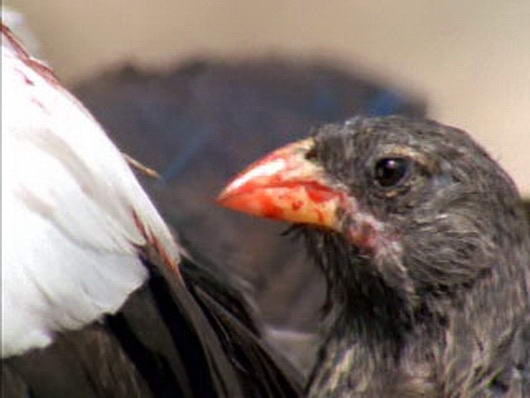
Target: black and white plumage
column 203, row 112
column 97, row 298
column 426, row 249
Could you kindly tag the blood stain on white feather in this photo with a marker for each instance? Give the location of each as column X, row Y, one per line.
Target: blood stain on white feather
column 74, row 212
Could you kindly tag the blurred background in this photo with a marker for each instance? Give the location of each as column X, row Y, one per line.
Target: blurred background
column 197, row 89
column 471, row 58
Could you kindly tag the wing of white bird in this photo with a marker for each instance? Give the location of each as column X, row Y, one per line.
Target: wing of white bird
column 96, row 300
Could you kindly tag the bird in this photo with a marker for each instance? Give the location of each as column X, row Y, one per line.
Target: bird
column 209, row 111
column 425, row 247
column 98, row 297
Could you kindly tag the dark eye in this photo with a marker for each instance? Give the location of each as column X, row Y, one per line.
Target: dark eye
column 391, row 171
column 311, row 155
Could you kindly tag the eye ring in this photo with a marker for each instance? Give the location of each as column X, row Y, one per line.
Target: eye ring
column 391, row 171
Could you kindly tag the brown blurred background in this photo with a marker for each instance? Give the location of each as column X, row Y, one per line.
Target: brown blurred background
column 470, row 58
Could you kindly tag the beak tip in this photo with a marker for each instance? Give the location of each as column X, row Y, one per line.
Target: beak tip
column 222, row 199
column 226, row 196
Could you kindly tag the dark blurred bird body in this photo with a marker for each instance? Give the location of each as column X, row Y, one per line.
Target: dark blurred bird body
column 199, row 121
column 426, row 251
column 98, row 299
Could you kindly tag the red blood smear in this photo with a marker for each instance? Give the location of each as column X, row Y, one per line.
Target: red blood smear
column 260, row 190
column 247, row 203
column 365, row 237
column 296, row 205
column 269, row 209
column 21, row 53
column 318, row 193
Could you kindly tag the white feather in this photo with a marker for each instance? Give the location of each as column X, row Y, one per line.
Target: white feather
column 69, row 234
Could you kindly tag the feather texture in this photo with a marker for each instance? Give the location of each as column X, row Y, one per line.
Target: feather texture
column 59, row 167
column 97, row 301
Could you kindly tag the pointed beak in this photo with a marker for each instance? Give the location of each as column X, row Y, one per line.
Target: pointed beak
column 286, row 186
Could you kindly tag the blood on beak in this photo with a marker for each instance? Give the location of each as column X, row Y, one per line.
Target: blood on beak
column 284, row 185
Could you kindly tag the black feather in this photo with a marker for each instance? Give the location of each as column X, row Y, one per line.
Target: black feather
column 167, row 340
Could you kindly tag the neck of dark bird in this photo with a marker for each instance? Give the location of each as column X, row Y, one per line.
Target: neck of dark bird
column 370, row 323
column 365, row 310
column 374, row 324
column 370, row 327
column 361, row 304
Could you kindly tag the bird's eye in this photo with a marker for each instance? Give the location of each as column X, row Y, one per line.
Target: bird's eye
column 391, row 171
column 311, row 155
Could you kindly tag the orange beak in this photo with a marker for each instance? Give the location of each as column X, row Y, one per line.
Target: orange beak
column 284, row 185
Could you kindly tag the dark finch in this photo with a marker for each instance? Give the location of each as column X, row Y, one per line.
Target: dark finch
column 426, row 251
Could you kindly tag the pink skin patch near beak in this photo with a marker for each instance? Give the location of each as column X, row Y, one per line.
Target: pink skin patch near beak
column 284, row 185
